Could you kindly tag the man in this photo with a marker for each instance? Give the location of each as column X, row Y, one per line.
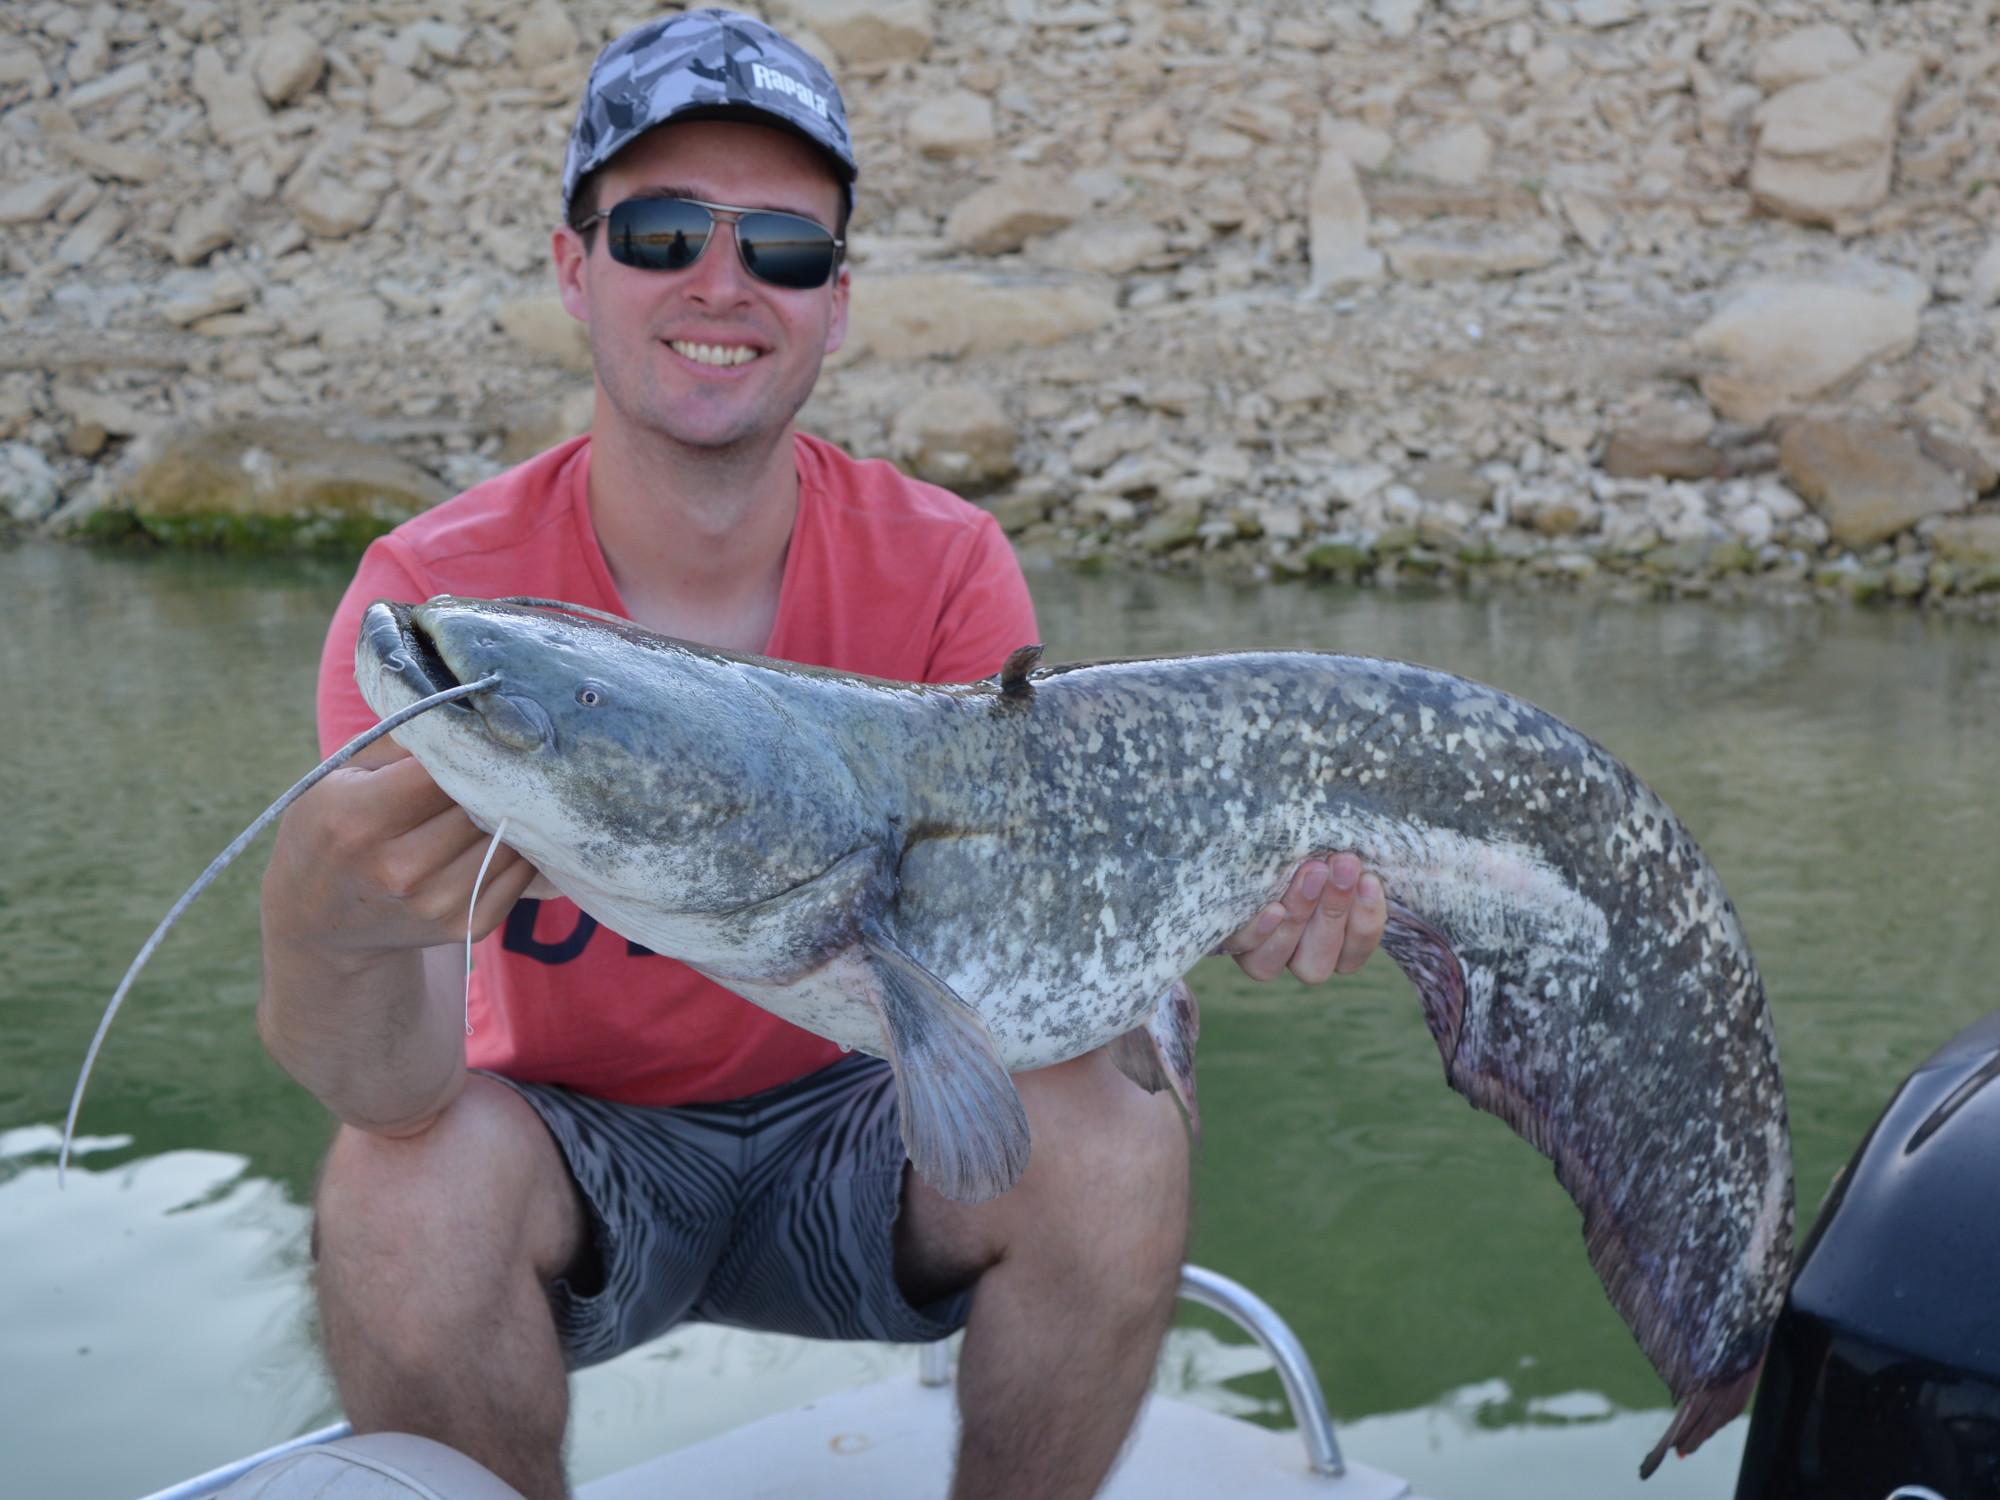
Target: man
column 646, row 1147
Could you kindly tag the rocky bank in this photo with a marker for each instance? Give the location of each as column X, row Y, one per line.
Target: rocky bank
column 1643, row 295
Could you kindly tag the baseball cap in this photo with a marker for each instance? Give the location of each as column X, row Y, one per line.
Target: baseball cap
column 704, row 64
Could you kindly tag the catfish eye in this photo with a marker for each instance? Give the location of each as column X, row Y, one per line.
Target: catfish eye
column 590, row 695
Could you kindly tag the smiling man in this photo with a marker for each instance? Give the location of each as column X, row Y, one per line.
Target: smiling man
column 605, row 1144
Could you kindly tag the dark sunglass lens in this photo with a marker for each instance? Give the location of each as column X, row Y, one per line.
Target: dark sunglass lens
column 659, row 234
column 785, row 250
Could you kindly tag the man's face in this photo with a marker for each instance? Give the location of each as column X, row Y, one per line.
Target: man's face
column 657, row 336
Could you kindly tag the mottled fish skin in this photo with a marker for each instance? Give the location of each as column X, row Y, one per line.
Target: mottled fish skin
column 1060, row 849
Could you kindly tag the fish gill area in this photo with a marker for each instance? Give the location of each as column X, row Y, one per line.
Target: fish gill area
column 1647, row 297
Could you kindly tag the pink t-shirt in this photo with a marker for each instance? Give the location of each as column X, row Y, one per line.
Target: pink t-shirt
column 885, row 576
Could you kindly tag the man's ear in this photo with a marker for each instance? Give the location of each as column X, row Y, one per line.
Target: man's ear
column 836, row 325
column 567, row 249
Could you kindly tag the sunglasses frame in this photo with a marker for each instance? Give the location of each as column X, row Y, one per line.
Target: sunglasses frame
column 725, row 213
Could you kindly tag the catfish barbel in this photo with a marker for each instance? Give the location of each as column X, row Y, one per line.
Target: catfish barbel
column 977, row 879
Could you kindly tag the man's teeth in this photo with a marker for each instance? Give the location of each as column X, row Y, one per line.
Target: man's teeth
column 713, row 354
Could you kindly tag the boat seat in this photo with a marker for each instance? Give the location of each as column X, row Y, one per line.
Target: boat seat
column 378, row 1466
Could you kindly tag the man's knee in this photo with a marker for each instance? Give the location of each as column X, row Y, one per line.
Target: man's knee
column 484, row 1179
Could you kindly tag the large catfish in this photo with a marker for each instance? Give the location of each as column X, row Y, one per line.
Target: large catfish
column 976, row 879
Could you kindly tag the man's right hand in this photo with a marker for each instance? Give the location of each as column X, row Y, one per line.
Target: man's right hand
column 372, row 867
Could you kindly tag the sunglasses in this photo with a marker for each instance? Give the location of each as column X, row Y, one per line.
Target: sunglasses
column 669, row 234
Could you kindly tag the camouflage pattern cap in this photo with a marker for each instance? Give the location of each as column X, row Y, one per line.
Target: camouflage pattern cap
column 703, row 62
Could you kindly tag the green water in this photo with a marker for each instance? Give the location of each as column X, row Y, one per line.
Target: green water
column 1839, row 768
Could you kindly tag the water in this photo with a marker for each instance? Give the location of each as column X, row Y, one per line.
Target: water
column 1837, row 767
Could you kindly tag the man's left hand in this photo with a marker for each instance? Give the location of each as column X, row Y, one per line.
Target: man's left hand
column 1328, row 921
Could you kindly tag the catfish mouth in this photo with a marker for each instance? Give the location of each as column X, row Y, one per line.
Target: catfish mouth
column 405, row 650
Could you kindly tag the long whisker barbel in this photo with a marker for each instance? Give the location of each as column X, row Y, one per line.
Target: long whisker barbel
column 224, row 860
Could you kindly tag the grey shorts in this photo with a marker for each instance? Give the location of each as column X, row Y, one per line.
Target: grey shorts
column 773, row 1212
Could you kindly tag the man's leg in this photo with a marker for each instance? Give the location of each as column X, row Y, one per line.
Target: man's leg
column 433, row 1253
column 1077, row 1270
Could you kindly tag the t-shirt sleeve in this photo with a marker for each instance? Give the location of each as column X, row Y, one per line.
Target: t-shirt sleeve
column 385, row 573
column 987, row 614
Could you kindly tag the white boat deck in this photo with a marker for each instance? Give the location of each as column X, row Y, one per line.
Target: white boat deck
column 894, row 1441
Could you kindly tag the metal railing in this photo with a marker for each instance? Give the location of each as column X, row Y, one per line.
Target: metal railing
column 1218, row 1293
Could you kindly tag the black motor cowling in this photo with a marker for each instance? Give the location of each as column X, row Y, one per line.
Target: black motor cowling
column 1883, row 1377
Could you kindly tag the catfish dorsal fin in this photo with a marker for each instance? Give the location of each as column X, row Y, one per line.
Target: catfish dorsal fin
column 1014, row 671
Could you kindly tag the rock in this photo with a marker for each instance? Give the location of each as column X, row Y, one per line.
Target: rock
column 1665, row 438
column 1973, row 468
column 951, row 315
column 1963, row 539
column 545, row 34
column 1361, row 144
column 1397, row 18
column 91, row 234
column 109, row 161
column 261, row 483
column 1601, row 15
column 1337, row 225
column 1436, row 258
column 1106, row 247
column 543, row 326
column 106, row 413
column 1002, row 215
column 952, row 123
column 1218, row 143
column 356, row 322
column 1547, row 64
column 957, row 436
column 426, row 104
column 19, row 66
column 133, row 78
column 29, row 487
column 550, row 425
column 865, row 32
column 1868, row 480
column 235, row 109
column 1149, row 134
column 1783, row 342
column 1107, row 442
column 1803, row 55
column 1983, row 287
column 1590, row 218
column 188, row 297
column 286, row 64
column 32, row 201
column 1459, row 156
column 205, row 227
column 332, row 210
column 1450, row 481
column 1826, row 148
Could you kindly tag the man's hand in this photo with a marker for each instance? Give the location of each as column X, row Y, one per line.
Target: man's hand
column 371, row 868
column 1328, row 922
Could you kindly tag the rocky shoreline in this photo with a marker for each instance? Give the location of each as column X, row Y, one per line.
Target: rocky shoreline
column 1642, row 296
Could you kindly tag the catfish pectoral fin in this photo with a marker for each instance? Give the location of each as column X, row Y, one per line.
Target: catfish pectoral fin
column 963, row 1121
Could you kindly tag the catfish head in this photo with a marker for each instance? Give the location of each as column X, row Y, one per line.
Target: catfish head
column 640, row 774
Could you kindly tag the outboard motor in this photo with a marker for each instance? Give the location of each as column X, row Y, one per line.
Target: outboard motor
column 1883, row 1379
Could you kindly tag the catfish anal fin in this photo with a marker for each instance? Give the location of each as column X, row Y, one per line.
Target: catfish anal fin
column 1422, row 953
column 963, row 1121
column 1160, row 1054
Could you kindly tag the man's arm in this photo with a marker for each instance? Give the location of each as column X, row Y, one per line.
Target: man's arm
column 371, row 868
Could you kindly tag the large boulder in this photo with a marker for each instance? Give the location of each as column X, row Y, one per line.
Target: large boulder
column 957, row 436
column 255, row 484
column 948, row 314
column 864, row 32
column 1776, row 344
column 1006, row 213
column 1826, row 148
column 1869, row 480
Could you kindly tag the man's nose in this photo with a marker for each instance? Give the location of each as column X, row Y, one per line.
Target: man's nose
column 718, row 274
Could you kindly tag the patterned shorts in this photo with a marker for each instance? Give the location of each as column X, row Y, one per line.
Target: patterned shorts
column 772, row 1212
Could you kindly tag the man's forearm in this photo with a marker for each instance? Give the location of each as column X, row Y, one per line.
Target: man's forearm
column 369, row 1037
